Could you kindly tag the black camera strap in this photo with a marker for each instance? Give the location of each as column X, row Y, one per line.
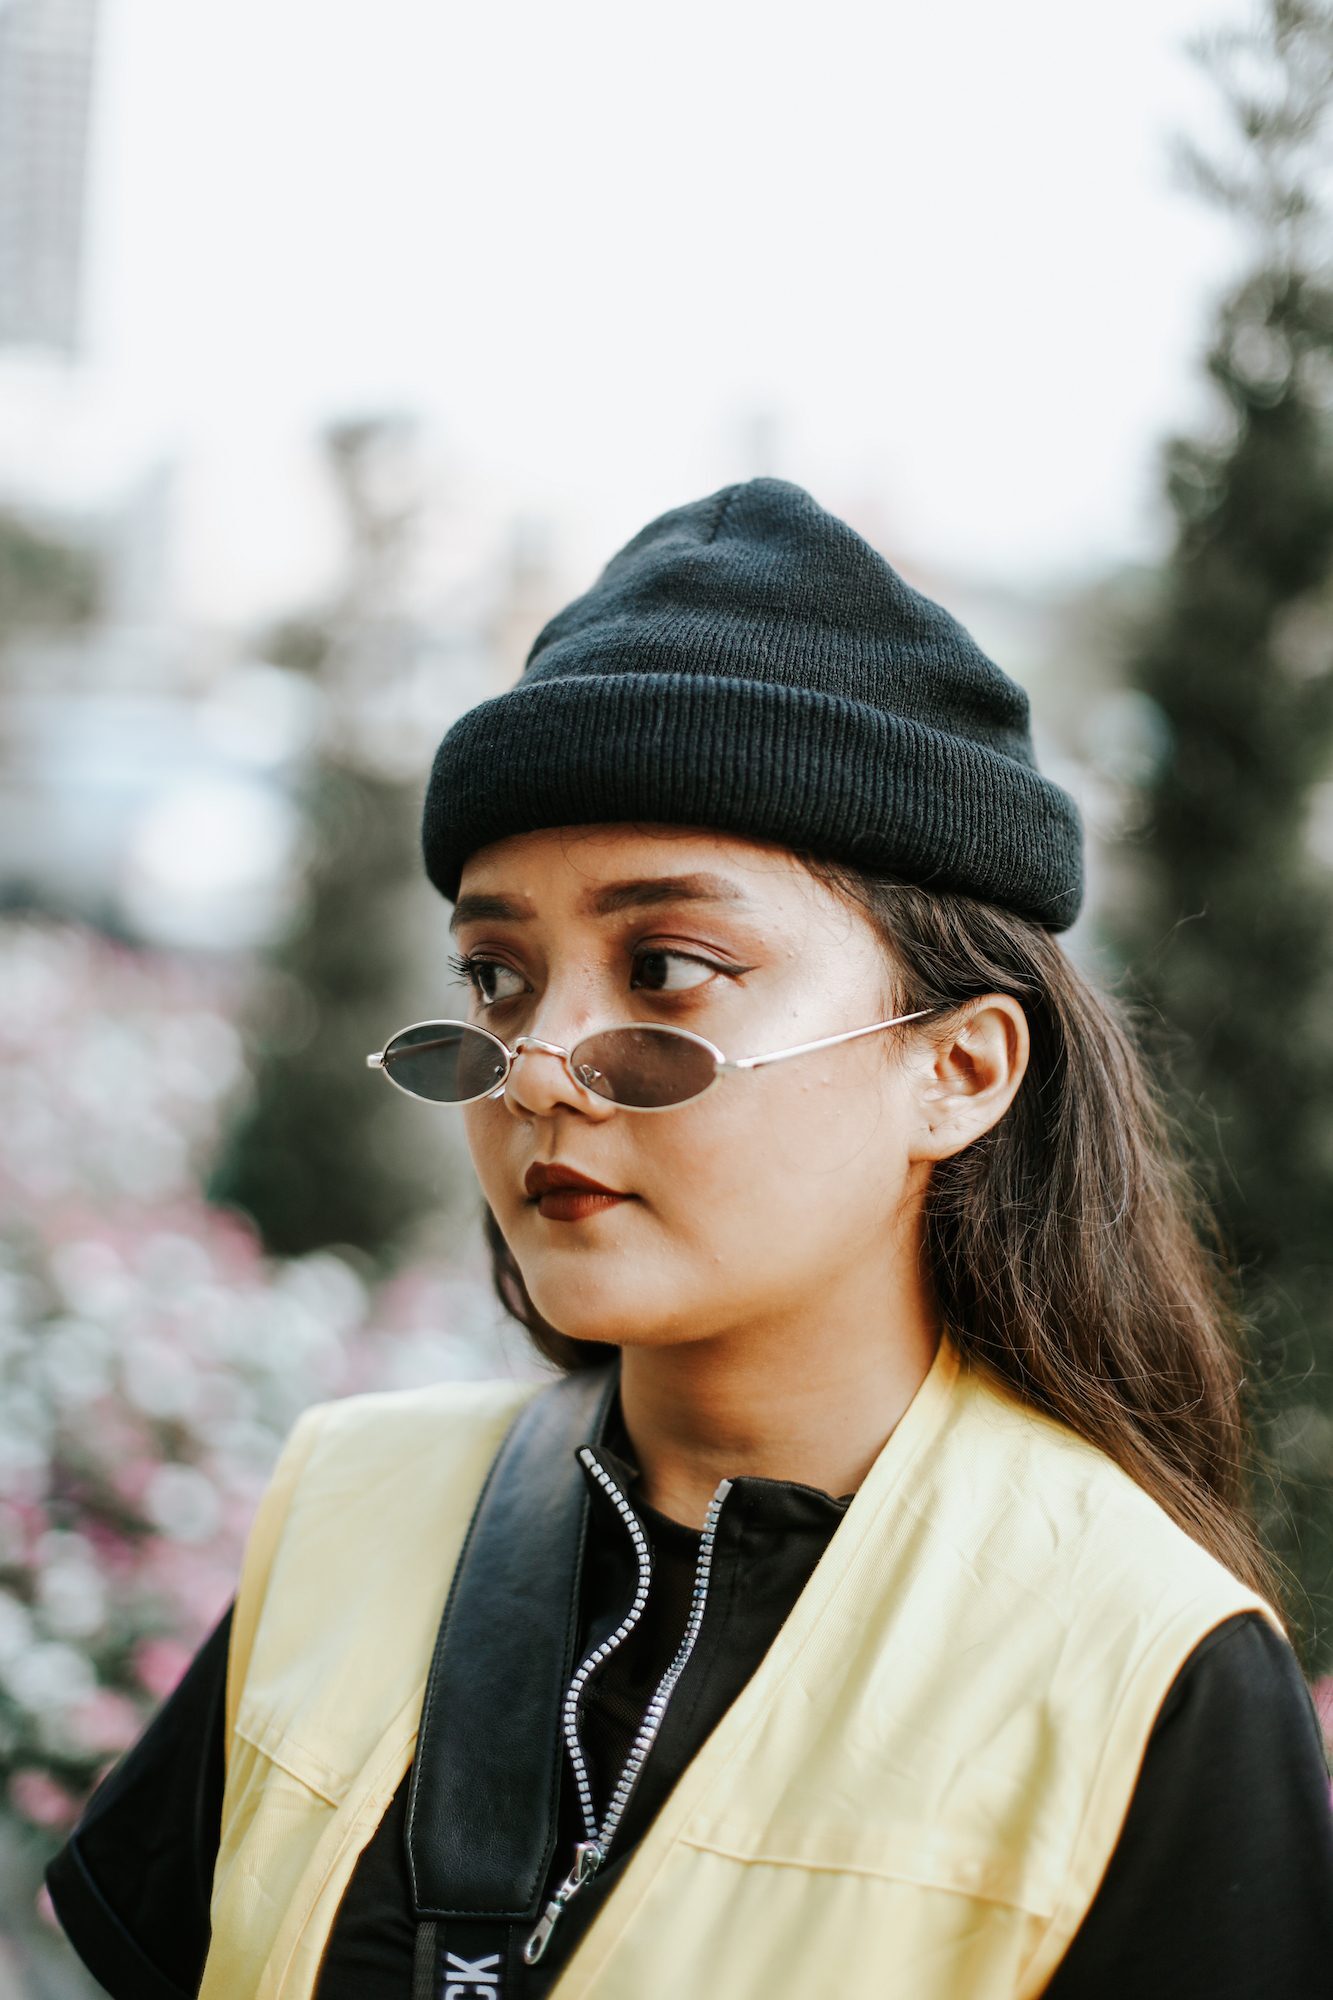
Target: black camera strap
column 483, row 1803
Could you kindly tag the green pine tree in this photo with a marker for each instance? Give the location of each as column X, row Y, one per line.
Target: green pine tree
column 324, row 1154
column 1228, row 938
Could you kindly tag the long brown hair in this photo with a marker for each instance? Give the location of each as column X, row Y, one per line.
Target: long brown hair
column 1072, row 1249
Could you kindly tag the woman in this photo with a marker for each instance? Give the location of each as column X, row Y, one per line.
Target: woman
column 872, row 1606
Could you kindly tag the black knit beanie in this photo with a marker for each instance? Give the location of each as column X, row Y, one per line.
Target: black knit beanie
column 749, row 663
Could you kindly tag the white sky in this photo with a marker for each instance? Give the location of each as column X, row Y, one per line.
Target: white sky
column 593, row 240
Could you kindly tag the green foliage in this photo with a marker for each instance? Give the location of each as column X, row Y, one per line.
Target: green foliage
column 324, row 1154
column 319, row 1158
column 46, row 582
column 1229, row 938
column 299, row 644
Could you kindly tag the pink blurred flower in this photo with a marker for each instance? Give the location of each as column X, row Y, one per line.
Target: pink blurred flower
column 130, row 1480
column 117, row 1553
column 105, row 1720
column 27, row 1521
column 41, row 1800
column 165, row 1273
column 159, row 1664
column 187, row 1579
column 234, row 1243
column 202, row 1583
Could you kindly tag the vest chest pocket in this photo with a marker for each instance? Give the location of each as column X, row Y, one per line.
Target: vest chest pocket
column 278, row 1805
column 917, row 1854
column 263, row 1733
column 292, row 1829
column 769, row 1926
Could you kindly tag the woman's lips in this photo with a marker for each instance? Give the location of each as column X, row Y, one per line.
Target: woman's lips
column 563, row 1194
column 573, row 1204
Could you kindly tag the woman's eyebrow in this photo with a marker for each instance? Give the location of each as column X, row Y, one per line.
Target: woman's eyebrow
column 487, row 911
column 607, row 900
column 699, row 888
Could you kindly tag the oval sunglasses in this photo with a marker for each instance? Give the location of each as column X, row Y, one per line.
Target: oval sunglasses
column 644, row 1066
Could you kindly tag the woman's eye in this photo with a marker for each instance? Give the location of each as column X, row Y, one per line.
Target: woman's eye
column 476, row 970
column 658, row 957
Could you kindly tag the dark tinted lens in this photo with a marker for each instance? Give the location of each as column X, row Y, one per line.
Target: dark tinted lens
column 445, row 1061
column 647, row 1067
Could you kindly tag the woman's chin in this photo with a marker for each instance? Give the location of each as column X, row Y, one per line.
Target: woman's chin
column 610, row 1323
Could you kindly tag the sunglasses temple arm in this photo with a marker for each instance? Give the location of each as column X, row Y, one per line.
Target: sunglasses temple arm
column 826, row 1042
column 376, row 1061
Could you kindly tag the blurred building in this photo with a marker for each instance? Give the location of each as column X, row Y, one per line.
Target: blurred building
column 150, row 764
column 46, row 68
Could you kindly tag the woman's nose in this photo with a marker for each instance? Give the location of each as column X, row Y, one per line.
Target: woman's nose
column 539, row 1080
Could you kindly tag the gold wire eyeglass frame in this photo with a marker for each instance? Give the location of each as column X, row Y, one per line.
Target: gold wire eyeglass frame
column 721, row 1063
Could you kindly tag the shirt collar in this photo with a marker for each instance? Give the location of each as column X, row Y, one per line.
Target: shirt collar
column 780, row 1503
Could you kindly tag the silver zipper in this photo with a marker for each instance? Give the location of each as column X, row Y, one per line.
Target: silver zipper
column 591, row 1853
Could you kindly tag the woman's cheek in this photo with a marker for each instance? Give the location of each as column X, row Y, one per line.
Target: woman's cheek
column 492, row 1161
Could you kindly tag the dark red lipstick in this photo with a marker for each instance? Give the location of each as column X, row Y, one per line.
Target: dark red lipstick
column 563, row 1194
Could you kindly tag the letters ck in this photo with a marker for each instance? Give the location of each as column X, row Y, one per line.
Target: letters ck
column 471, row 1978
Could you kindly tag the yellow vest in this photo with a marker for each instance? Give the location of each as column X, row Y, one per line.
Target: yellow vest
column 914, row 1797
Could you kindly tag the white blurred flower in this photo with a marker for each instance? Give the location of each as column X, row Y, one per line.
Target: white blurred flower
column 74, row 1357
column 15, row 1627
column 20, row 1297
column 243, row 1448
column 200, row 1056
column 421, row 1358
column 171, row 1262
column 92, row 1278
column 159, row 1380
column 72, row 1599
column 50, row 1675
column 285, row 1338
column 183, row 1503
column 329, row 1287
column 150, row 1163
column 64, row 1545
column 135, row 1320
column 24, row 1458
column 25, row 1412
column 227, row 1398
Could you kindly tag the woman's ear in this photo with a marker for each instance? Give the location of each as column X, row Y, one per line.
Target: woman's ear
column 968, row 1075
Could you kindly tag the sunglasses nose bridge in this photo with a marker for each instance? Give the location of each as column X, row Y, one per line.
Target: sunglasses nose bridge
column 535, row 1042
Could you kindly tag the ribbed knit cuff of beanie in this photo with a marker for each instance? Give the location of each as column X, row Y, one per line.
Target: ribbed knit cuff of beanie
column 749, row 663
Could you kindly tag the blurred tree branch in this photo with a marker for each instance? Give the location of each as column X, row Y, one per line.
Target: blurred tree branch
column 1276, row 81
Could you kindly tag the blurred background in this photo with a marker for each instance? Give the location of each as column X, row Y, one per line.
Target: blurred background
column 340, row 345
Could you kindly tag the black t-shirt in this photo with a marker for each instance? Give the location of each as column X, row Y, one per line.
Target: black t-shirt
column 1220, row 1887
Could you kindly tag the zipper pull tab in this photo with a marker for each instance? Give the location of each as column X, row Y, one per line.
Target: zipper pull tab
column 587, row 1860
